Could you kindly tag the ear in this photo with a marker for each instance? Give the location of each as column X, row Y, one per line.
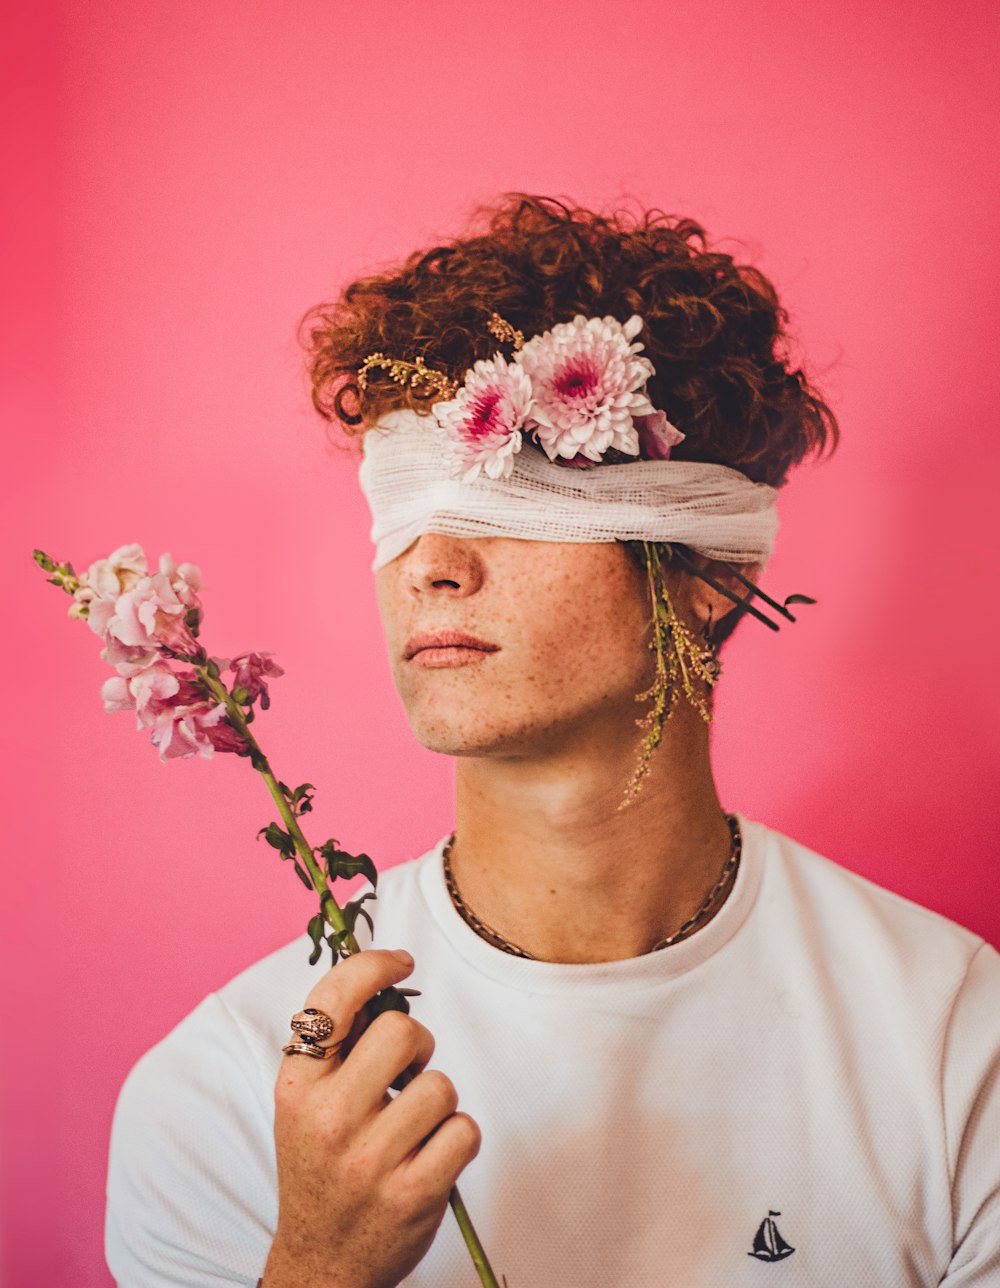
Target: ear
column 708, row 604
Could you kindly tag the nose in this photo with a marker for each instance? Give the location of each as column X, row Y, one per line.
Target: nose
column 438, row 563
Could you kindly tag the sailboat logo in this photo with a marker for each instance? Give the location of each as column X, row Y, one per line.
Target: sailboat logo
column 768, row 1245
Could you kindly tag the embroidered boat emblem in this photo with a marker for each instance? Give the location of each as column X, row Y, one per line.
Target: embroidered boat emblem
column 768, row 1245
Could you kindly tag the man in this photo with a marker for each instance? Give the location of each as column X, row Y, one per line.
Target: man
column 670, row 1044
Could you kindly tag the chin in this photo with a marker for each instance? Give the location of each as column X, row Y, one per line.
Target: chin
column 458, row 742
column 470, row 734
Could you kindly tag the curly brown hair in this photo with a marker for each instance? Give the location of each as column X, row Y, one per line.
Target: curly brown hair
column 714, row 329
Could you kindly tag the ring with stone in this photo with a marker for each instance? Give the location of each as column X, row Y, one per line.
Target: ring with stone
column 312, row 1024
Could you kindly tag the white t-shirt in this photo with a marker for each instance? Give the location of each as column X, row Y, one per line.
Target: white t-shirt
column 805, row 1092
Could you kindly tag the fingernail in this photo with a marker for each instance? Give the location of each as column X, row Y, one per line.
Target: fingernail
column 403, row 956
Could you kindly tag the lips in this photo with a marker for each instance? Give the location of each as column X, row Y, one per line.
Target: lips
column 446, row 639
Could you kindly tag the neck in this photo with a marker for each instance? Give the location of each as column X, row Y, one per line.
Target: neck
column 543, row 855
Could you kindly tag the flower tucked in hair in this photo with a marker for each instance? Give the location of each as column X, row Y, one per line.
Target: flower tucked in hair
column 577, row 391
column 656, row 436
column 483, row 422
column 586, row 380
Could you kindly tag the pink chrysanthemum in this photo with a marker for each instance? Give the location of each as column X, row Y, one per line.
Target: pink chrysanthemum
column 483, row 421
column 586, row 379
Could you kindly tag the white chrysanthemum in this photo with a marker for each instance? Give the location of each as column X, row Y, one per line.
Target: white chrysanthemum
column 587, row 380
column 483, row 421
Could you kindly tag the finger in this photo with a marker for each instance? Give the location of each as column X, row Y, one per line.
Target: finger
column 342, row 993
column 391, row 1043
column 438, row 1162
column 410, row 1118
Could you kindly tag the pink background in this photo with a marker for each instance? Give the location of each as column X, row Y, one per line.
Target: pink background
column 191, row 178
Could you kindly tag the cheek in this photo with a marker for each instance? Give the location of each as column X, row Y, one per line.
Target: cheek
column 588, row 629
column 387, row 602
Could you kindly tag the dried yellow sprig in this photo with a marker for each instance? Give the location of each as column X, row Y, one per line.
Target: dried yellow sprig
column 682, row 664
column 505, row 332
column 416, row 374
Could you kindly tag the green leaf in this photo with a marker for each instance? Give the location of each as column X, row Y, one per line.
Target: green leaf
column 341, row 864
column 278, row 837
column 359, row 863
column 285, row 845
column 301, row 798
column 300, row 871
column 316, row 926
column 353, row 909
column 390, row 999
column 337, row 940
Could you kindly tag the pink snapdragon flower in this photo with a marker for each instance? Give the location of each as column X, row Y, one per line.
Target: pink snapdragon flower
column 587, row 379
column 182, row 720
column 151, row 613
column 248, row 674
column 185, row 580
column 483, row 422
column 142, row 691
column 181, row 730
column 106, row 579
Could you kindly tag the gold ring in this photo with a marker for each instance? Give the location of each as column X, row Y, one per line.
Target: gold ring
column 312, row 1024
column 317, row 1052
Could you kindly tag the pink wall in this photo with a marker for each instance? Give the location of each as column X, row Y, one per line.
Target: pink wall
column 196, row 176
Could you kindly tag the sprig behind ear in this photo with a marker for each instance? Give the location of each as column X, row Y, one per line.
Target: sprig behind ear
column 682, row 664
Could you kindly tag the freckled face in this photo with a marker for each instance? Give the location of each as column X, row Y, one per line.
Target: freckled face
column 571, row 625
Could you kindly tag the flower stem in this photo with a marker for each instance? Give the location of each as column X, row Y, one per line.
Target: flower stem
column 476, row 1249
column 329, row 904
column 332, row 912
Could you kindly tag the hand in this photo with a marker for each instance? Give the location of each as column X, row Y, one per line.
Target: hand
column 363, row 1177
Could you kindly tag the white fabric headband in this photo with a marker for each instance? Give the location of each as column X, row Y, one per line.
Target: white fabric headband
column 407, row 478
